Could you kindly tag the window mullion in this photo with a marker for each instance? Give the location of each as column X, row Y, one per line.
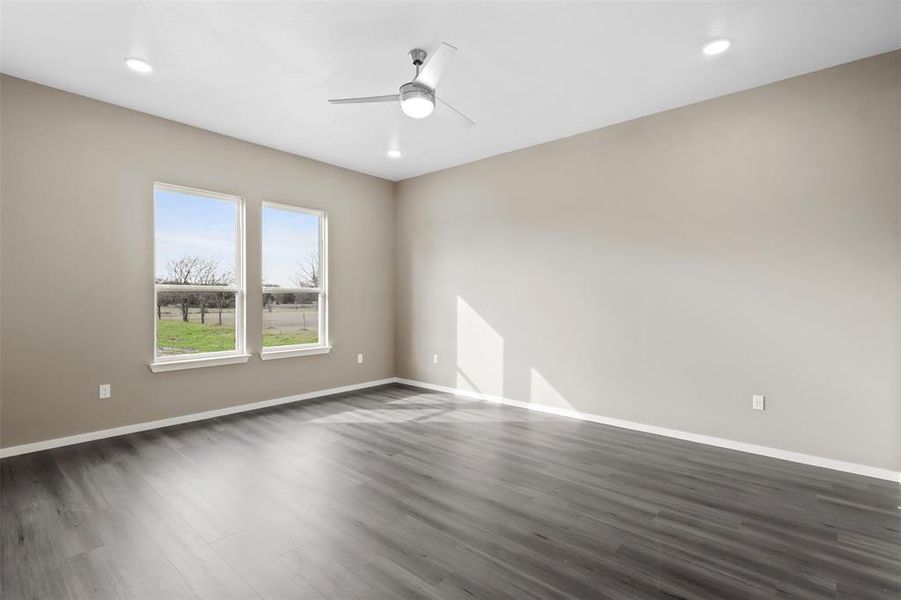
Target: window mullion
column 172, row 287
column 274, row 290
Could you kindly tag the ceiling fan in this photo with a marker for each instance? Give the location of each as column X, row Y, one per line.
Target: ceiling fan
column 417, row 98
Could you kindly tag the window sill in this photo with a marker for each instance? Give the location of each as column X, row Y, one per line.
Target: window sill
column 289, row 353
column 197, row 363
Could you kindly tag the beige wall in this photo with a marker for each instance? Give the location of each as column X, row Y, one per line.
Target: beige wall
column 665, row 269
column 77, row 247
column 661, row 270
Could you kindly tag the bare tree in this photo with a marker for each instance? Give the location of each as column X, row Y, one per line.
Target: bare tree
column 308, row 276
column 221, row 299
column 183, row 271
column 194, row 270
column 207, row 274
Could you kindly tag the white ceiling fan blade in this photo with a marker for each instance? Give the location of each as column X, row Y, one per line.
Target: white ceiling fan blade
column 431, row 72
column 464, row 120
column 366, row 99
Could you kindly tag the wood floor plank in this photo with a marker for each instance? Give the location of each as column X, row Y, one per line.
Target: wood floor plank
column 394, row 492
column 258, row 562
column 203, row 568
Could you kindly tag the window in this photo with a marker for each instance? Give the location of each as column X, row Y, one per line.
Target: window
column 199, row 278
column 295, row 298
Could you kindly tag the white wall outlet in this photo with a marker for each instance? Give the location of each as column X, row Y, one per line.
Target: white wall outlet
column 434, row 359
column 758, row 402
column 105, row 391
column 359, row 359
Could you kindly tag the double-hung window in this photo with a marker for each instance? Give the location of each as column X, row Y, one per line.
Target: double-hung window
column 199, row 278
column 295, row 281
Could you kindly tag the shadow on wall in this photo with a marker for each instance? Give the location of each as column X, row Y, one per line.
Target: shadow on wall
column 480, row 361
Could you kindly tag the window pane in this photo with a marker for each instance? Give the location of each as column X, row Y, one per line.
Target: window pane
column 196, row 238
column 290, row 319
column 290, row 248
column 195, row 322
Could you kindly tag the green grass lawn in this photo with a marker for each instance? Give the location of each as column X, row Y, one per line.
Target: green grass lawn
column 279, row 338
column 177, row 337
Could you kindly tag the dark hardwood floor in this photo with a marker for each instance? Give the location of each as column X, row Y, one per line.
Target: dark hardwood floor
column 399, row 493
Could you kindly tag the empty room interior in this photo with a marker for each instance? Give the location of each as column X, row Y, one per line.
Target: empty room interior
column 452, row 300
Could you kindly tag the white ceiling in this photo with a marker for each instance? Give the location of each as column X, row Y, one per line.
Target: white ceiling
column 525, row 72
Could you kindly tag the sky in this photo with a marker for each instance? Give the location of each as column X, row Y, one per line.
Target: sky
column 189, row 225
column 290, row 239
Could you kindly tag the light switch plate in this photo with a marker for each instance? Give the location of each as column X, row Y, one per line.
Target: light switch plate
column 758, row 402
column 105, row 391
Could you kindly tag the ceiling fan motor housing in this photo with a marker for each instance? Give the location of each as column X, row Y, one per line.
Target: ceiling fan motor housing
column 416, row 90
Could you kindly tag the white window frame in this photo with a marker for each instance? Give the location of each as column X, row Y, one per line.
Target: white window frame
column 322, row 346
column 205, row 359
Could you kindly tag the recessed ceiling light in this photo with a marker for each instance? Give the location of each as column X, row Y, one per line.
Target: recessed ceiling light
column 136, row 64
column 392, row 153
column 718, row 46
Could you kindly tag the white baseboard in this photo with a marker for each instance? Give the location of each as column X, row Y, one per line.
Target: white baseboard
column 797, row 457
column 210, row 414
column 807, row 459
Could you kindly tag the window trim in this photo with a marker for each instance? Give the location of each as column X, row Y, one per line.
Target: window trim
column 292, row 351
column 322, row 346
column 206, row 359
column 197, row 363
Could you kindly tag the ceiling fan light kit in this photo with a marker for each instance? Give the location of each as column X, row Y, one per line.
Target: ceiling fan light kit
column 417, row 98
column 416, row 101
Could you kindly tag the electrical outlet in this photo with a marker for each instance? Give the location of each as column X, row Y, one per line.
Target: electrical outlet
column 434, row 359
column 359, row 359
column 105, row 391
column 758, row 402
